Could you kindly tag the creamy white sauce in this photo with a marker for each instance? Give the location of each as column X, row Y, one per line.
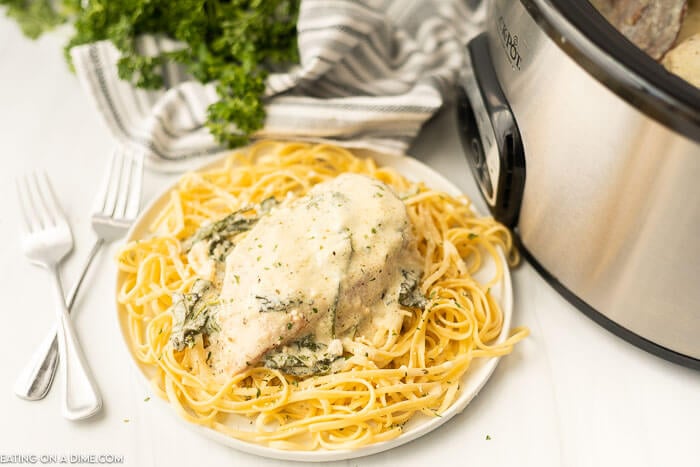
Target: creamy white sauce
column 200, row 261
column 328, row 264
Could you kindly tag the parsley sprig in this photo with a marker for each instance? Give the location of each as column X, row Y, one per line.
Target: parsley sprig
column 235, row 43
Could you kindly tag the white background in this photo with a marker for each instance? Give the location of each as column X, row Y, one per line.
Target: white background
column 572, row 394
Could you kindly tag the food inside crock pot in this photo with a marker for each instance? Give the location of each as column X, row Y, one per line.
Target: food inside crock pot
column 684, row 58
column 652, row 25
column 667, row 30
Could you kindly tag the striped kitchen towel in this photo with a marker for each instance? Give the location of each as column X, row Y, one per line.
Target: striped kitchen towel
column 371, row 73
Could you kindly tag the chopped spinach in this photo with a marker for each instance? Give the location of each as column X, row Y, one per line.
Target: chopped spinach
column 219, row 234
column 219, row 248
column 229, row 225
column 192, row 315
column 268, row 304
column 303, row 357
column 334, row 313
column 298, row 365
column 266, row 205
column 308, row 342
column 409, row 292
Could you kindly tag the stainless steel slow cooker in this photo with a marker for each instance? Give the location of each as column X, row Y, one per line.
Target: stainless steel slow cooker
column 590, row 151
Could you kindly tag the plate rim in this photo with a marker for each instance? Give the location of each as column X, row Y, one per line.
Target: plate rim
column 459, row 405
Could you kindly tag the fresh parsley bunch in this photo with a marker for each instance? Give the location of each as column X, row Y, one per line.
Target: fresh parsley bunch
column 235, row 43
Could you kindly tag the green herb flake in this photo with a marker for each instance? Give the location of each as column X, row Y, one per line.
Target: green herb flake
column 488, row 437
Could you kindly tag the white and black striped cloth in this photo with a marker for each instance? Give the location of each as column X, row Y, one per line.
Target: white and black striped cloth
column 371, row 73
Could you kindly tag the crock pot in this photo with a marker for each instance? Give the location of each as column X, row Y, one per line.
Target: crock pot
column 590, row 151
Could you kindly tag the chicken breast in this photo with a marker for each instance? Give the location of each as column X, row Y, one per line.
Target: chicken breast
column 684, row 60
column 329, row 265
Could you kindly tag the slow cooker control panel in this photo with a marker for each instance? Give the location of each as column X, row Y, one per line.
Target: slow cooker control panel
column 490, row 135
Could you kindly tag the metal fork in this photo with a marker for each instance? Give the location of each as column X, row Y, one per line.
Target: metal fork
column 47, row 241
column 116, row 208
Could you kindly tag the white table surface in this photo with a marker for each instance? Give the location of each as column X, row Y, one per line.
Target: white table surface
column 572, row 394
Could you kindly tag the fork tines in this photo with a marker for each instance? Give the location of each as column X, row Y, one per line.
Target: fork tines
column 121, row 189
column 38, row 204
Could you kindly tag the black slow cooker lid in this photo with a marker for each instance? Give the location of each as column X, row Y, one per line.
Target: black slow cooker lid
column 585, row 35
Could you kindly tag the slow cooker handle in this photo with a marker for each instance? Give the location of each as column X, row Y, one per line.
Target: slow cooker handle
column 490, row 135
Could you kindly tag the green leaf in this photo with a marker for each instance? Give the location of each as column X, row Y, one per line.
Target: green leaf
column 34, row 17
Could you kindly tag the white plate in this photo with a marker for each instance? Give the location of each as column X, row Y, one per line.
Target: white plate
column 472, row 382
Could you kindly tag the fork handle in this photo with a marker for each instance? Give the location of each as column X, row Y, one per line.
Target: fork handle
column 37, row 376
column 81, row 398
